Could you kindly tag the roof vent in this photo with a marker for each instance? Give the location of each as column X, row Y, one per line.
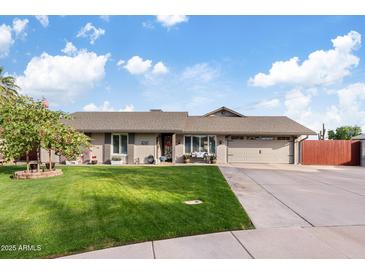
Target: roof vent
column 155, row 110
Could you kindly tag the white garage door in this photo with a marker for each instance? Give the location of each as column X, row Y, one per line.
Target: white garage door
column 260, row 151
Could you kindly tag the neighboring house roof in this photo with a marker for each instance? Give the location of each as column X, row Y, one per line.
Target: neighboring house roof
column 181, row 122
column 359, row 137
column 223, row 109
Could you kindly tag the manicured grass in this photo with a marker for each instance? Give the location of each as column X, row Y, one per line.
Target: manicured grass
column 94, row 207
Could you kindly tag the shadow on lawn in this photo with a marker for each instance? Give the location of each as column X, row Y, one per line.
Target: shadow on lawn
column 112, row 221
column 9, row 170
column 127, row 212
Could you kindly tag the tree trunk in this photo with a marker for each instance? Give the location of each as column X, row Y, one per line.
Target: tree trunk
column 38, row 159
column 27, row 159
column 50, row 159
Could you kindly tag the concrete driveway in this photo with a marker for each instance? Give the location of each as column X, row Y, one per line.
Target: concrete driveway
column 289, row 195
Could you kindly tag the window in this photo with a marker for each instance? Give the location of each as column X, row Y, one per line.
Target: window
column 196, row 144
column 120, row 143
column 284, row 138
column 212, row 144
column 204, row 144
column 200, row 144
column 187, row 144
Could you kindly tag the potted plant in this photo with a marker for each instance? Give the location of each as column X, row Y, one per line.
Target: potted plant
column 94, row 161
column 213, row 159
column 187, row 158
column 116, row 161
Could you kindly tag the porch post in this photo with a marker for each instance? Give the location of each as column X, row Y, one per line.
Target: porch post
column 173, row 148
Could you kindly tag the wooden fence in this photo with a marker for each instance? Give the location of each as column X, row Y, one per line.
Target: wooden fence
column 330, row 152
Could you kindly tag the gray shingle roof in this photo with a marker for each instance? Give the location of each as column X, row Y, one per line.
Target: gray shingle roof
column 275, row 125
column 154, row 121
column 180, row 122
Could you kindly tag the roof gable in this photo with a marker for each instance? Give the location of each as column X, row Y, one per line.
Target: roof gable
column 224, row 112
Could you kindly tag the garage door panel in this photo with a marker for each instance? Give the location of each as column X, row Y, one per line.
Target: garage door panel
column 259, row 151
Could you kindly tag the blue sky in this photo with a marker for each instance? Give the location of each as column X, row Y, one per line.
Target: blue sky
column 192, row 63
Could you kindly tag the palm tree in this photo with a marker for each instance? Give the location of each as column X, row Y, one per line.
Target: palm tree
column 8, row 88
column 8, row 91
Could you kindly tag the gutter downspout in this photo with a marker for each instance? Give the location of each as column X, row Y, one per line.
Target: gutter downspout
column 300, row 149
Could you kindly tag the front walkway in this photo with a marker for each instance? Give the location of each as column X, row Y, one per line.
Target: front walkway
column 298, row 212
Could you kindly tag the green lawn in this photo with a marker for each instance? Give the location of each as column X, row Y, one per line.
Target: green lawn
column 101, row 206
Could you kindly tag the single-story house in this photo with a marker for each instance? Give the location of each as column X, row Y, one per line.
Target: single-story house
column 232, row 137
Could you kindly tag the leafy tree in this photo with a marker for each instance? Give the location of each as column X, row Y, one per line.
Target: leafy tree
column 344, row 133
column 20, row 126
column 26, row 124
column 62, row 139
column 50, row 130
column 70, row 143
column 8, row 90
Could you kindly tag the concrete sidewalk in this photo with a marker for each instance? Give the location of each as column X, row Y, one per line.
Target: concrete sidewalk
column 293, row 242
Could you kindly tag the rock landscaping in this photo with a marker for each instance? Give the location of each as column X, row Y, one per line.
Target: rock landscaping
column 23, row 174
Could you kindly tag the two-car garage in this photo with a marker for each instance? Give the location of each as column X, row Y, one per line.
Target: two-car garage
column 260, row 150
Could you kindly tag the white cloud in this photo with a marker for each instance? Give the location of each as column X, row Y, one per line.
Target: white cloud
column 43, row 19
column 185, row 89
column 349, row 110
column 351, row 106
column 62, row 78
column 19, row 26
column 120, row 63
column 351, row 96
column 169, row 21
column 128, row 108
column 160, row 68
column 201, row 71
column 297, row 103
column 148, row 25
column 90, row 107
column 6, row 40
column 298, row 107
column 106, row 106
column 105, row 18
column 91, row 32
column 268, row 104
column 69, row 49
column 136, row 65
column 320, row 68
